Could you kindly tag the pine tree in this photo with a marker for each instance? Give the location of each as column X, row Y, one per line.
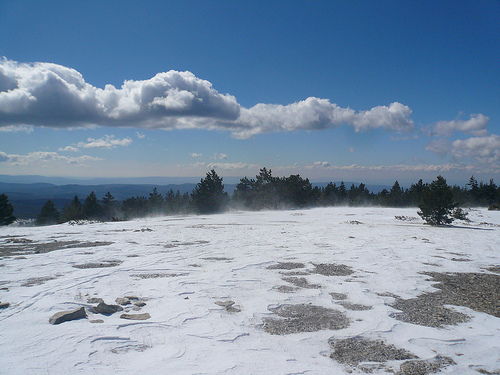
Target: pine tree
column 437, row 203
column 209, row 195
column 6, row 211
column 109, row 206
column 49, row 214
column 91, row 207
column 73, row 211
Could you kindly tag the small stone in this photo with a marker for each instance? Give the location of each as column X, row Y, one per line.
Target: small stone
column 65, row 316
column 140, row 304
column 132, row 298
column 225, row 304
column 105, row 309
column 135, row 316
column 4, row 288
column 97, row 321
column 4, row 305
column 232, row 309
column 122, row 301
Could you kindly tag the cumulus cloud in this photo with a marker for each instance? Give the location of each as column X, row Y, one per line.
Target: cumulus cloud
column 107, row 142
column 394, row 117
column 217, row 156
column 195, row 155
column 45, row 94
column 51, row 95
column 392, row 168
column 483, row 150
column 476, row 125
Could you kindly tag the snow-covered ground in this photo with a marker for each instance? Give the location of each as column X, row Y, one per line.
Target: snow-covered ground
column 181, row 266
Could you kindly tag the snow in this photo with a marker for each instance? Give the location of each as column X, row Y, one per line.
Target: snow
column 181, row 265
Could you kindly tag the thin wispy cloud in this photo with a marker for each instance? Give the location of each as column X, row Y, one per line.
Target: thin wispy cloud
column 44, row 157
column 106, row 142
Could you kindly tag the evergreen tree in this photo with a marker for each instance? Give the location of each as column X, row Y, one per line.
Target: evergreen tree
column 155, row 202
column 437, row 203
column 209, row 195
column 6, row 211
column 73, row 211
column 49, row 214
column 91, row 207
column 109, row 206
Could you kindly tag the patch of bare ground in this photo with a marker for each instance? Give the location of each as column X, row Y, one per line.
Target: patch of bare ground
column 22, row 246
column 301, row 282
column 331, row 269
column 355, row 306
column 104, row 264
column 286, row 266
column 157, row 275
column 37, row 281
column 356, row 350
column 495, row 269
column 338, row 296
column 477, row 291
column 304, row 318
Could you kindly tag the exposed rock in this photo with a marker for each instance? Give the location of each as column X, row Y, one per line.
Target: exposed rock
column 105, row 309
column 122, row 301
column 65, row 316
column 135, row 316
column 355, row 306
column 140, row 304
column 4, row 305
column 95, row 300
column 338, row 296
column 104, row 264
column 97, row 321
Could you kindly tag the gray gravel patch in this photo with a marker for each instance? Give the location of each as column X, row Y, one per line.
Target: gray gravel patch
column 304, row 318
column 104, row 264
column 286, row 266
column 301, row 282
column 327, row 269
column 356, row 350
column 477, row 291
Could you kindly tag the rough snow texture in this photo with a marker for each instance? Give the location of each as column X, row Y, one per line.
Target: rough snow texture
column 322, row 279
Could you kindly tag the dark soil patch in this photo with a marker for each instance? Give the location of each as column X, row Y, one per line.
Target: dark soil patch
column 37, row 281
column 157, row 275
column 301, row 282
column 24, row 246
column 338, row 296
column 304, row 318
column 286, row 266
column 108, row 263
column 477, row 291
column 327, row 269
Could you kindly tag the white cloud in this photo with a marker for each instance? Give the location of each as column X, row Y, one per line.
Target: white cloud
column 140, row 135
column 45, row 94
column 195, row 155
column 69, row 148
column 396, row 117
column 16, row 129
column 44, row 157
column 217, row 156
column 107, row 142
column 485, row 150
column 476, row 125
column 393, row 168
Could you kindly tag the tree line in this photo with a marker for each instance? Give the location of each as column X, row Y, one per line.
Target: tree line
column 265, row 191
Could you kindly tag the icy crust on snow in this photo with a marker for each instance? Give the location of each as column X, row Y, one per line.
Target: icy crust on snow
column 322, row 291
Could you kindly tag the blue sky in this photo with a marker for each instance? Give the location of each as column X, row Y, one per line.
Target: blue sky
column 333, row 90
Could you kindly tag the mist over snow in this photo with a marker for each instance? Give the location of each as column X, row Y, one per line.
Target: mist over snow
column 277, row 292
